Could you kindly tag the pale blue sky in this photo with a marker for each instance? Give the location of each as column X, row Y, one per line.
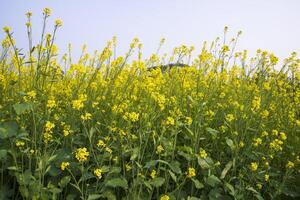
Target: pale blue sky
column 272, row 25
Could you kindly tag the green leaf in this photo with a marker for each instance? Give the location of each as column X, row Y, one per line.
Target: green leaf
column 193, row 198
column 54, row 190
column 109, row 195
column 64, row 181
column 190, row 131
column 157, row 182
column 115, row 170
column 94, row 196
column 13, row 168
column 8, row 129
column 147, row 184
column 21, row 108
column 173, row 176
column 150, row 164
column 198, row 184
column 212, row 131
column 229, row 142
column 213, row 181
column 255, row 193
column 135, row 153
column 226, row 169
column 216, row 194
column 188, row 157
column 117, row 182
column 175, row 167
column 230, row 188
column 203, row 163
column 105, row 168
column 3, row 154
column 92, row 132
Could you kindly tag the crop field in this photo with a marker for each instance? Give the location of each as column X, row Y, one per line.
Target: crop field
column 218, row 125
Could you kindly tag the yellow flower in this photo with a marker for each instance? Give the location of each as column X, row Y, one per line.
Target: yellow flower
column 282, row 135
column 264, row 134
column 203, row 153
column 29, row 14
column 98, row 173
column 20, row 143
column 265, row 114
column 290, row 165
column 48, row 134
column 31, row 95
column 153, row 174
column 49, row 126
column 64, row 165
column 101, row 143
column 253, row 166
column 267, row 177
column 128, row 167
column 191, row 172
column 276, row 145
column 58, row 23
column 274, row 132
column 222, row 95
column 188, row 120
column 256, row 103
column 229, row 117
column 51, row 104
column 241, row 144
column 267, row 164
column 159, row 149
column 107, row 149
column 82, row 154
column 225, row 49
column 67, row 130
column 6, row 29
column 210, row 113
column 86, row 116
column 170, row 121
column 132, row 116
column 266, row 86
column 77, row 104
column 165, row 197
column 47, row 11
column 257, row 141
column 259, row 186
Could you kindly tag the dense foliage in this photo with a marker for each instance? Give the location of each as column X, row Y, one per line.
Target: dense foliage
column 108, row 127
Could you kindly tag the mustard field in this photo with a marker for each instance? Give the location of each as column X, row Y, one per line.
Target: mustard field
column 219, row 125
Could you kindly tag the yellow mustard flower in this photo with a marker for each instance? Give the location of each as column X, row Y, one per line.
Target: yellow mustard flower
column 267, row 177
column 191, row 172
column 86, row 116
column 47, row 11
column 6, row 29
column 203, row 153
column 229, row 117
column 254, row 166
column 153, row 174
column 101, row 143
column 159, row 149
column 98, row 173
column 20, row 143
column 165, row 197
column 170, row 121
column 58, row 23
column 64, row 165
column 290, row 165
column 82, row 154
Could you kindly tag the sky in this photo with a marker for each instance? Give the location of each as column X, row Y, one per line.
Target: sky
column 272, row 25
